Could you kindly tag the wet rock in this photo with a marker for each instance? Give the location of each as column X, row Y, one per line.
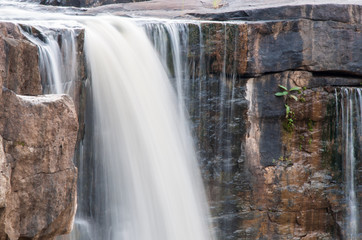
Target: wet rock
column 39, row 138
column 264, row 181
column 255, row 48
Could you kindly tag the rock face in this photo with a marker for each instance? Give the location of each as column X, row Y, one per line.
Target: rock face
column 38, row 135
column 266, row 180
column 85, row 3
column 18, row 61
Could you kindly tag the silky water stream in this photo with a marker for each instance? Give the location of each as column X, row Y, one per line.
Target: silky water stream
column 349, row 116
column 138, row 170
column 146, row 183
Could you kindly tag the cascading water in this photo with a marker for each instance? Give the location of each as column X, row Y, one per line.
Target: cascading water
column 153, row 187
column 216, row 116
column 57, row 60
column 349, row 115
column 146, row 183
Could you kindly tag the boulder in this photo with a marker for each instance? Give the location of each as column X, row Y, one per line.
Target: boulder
column 39, row 135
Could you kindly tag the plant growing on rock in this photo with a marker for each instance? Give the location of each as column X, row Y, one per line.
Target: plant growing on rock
column 289, row 114
column 216, row 3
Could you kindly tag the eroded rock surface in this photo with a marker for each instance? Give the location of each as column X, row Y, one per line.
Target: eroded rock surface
column 18, row 61
column 266, row 181
column 38, row 135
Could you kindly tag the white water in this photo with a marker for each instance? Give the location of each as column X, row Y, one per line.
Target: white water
column 147, row 182
column 154, row 188
column 57, row 60
column 351, row 121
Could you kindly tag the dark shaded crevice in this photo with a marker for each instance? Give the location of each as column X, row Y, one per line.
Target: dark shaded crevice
column 47, row 173
column 340, row 74
column 283, row 13
column 228, row 16
column 84, row 3
column 315, row 74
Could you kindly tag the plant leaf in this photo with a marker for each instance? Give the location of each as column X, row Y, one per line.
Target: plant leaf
column 294, row 89
column 287, row 110
column 278, row 94
column 284, row 88
column 294, row 97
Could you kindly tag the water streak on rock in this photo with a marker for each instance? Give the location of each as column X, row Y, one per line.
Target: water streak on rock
column 349, row 113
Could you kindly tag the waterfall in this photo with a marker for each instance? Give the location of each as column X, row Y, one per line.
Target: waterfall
column 57, row 60
column 145, row 183
column 349, row 115
column 152, row 187
column 183, row 47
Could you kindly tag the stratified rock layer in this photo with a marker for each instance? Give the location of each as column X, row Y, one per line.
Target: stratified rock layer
column 264, row 179
column 85, row 3
column 38, row 135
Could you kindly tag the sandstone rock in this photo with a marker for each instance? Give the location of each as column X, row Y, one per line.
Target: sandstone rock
column 5, row 171
column 18, row 61
column 39, row 137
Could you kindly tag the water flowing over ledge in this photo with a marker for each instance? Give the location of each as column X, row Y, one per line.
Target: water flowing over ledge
column 258, row 177
column 152, row 186
column 349, row 115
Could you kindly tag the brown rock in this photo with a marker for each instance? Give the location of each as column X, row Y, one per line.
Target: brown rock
column 19, row 64
column 4, row 187
column 39, row 138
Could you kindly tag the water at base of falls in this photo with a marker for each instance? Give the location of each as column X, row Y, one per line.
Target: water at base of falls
column 349, row 115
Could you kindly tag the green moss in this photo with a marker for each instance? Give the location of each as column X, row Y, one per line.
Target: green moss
column 21, row 143
column 310, row 125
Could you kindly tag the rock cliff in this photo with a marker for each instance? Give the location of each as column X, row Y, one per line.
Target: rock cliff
column 85, row 3
column 37, row 135
column 265, row 179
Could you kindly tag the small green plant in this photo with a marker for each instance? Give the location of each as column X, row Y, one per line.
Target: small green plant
column 216, row 3
column 282, row 159
column 20, row 143
column 289, row 114
column 288, row 93
column 310, row 125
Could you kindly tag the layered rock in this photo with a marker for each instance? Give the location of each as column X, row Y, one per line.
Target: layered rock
column 38, row 136
column 265, row 180
column 85, row 3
